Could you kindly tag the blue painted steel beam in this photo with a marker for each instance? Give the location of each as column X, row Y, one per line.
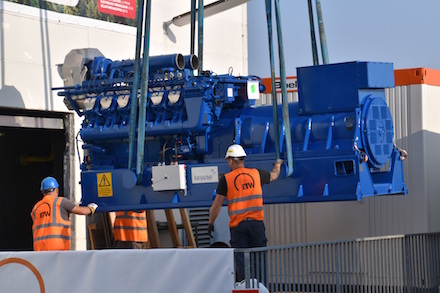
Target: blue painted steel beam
column 312, row 33
column 144, row 94
column 272, row 75
column 200, row 34
column 322, row 37
column 193, row 27
column 286, row 120
column 134, row 93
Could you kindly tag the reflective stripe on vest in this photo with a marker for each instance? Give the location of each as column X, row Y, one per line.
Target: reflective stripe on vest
column 49, row 230
column 244, row 195
column 131, row 226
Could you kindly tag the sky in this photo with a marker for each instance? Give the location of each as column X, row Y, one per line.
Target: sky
column 403, row 32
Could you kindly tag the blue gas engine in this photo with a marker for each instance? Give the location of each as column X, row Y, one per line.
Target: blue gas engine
column 341, row 134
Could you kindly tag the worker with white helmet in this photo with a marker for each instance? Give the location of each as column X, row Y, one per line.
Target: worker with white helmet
column 51, row 217
column 242, row 188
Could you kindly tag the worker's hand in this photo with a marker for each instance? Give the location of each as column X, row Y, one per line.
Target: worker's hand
column 92, row 206
column 210, row 229
column 279, row 161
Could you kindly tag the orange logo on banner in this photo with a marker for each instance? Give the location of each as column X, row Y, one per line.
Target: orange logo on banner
column 29, row 266
column 291, row 84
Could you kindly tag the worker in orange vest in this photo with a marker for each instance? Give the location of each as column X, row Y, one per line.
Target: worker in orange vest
column 242, row 188
column 51, row 217
column 130, row 229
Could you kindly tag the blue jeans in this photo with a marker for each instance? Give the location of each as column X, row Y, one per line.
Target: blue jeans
column 247, row 234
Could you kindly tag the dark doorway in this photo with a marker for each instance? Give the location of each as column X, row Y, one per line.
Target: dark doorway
column 27, row 154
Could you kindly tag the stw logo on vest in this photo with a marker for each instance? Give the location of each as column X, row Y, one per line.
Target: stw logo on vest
column 44, row 210
column 245, row 180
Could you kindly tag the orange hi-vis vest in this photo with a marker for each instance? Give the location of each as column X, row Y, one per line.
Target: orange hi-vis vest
column 131, row 226
column 244, row 195
column 49, row 230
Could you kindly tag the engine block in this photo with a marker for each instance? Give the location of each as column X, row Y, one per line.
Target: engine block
column 341, row 129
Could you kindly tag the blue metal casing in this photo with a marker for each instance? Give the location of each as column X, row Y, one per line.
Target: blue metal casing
column 341, row 129
column 341, row 87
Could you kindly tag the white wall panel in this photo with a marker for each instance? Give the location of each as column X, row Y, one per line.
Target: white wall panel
column 25, row 34
column 31, row 83
column 42, row 38
column 285, row 223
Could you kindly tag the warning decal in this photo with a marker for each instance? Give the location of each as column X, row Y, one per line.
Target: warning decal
column 105, row 188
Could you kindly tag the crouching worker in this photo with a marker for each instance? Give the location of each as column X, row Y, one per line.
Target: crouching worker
column 51, row 217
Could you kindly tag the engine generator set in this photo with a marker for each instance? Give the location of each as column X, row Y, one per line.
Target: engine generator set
column 340, row 132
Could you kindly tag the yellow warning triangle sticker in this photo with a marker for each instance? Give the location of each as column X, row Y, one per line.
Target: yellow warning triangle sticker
column 104, row 181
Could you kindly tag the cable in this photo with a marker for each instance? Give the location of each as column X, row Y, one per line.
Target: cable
column 403, row 153
column 77, row 149
column 363, row 155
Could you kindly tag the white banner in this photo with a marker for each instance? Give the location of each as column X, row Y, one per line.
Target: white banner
column 71, row 3
column 153, row 271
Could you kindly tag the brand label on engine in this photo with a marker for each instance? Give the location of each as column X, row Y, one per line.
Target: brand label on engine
column 204, row 174
column 253, row 91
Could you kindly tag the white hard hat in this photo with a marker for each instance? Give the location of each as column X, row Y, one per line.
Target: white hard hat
column 235, row 151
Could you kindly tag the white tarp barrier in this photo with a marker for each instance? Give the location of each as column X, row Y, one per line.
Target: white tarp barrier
column 153, row 271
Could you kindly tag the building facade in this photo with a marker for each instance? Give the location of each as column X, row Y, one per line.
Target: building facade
column 38, row 134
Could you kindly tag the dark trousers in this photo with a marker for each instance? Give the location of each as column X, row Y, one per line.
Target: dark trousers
column 248, row 234
column 130, row 244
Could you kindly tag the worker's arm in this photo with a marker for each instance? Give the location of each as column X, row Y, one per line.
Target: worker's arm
column 215, row 208
column 276, row 170
column 89, row 209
